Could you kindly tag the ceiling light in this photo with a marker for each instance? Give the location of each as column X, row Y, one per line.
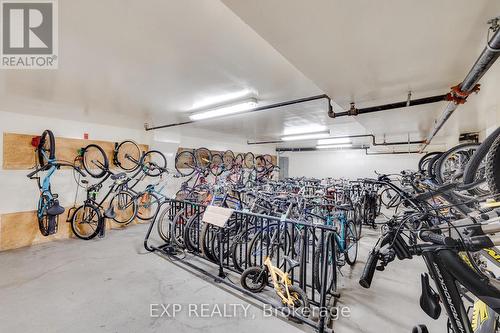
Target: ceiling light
column 334, row 141
column 307, row 136
column 225, row 110
column 216, row 100
column 304, row 129
column 347, row 145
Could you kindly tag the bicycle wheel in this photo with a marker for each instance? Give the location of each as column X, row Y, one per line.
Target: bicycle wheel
column 125, row 207
column 254, row 279
column 390, row 198
column 203, row 158
column 475, row 171
column 249, row 161
column 260, row 163
column 191, row 233
column 238, row 160
column 127, row 155
column 451, row 165
column 86, row 221
column 148, row 205
column 425, row 160
column 153, row 163
column 431, row 166
column 46, row 148
column 182, row 195
column 95, row 161
column 185, row 163
column 300, row 300
column 318, row 267
column 177, row 228
column 163, row 223
column 217, row 165
column 351, row 243
column 493, row 167
column 358, row 219
column 208, row 233
column 43, row 217
column 228, row 158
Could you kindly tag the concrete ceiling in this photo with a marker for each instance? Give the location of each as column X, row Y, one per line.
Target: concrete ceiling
column 129, row 61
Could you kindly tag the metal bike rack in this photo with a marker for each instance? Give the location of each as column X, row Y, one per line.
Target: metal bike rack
column 264, row 225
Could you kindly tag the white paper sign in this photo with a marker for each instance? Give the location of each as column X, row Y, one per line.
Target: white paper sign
column 217, row 216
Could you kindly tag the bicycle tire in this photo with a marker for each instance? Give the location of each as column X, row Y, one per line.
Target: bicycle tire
column 127, row 156
column 160, row 223
column 493, row 167
column 191, row 233
column 179, row 223
column 46, row 153
column 185, row 163
column 96, row 153
column 154, row 163
column 43, row 218
column 217, row 165
column 125, row 207
column 206, row 236
column 479, row 156
column 318, row 263
column 350, row 234
column 203, row 158
column 430, row 166
column 424, row 161
column 249, row 160
column 438, row 167
column 254, row 272
column 228, row 158
column 91, row 210
column 301, row 296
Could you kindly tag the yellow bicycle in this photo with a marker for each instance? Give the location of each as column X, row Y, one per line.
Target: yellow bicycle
column 256, row 278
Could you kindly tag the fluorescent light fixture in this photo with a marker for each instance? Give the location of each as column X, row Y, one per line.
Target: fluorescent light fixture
column 334, row 141
column 225, row 110
column 307, row 136
column 347, row 145
column 304, row 129
column 220, row 99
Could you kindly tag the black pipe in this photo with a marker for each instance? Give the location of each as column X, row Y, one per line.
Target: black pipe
column 350, row 137
column 421, row 101
column 257, row 109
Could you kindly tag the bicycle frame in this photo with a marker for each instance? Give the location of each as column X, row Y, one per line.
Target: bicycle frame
column 278, row 276
column 446, row 268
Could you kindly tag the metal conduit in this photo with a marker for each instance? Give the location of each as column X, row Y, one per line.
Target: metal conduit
column 374, row 143
column 483, row 63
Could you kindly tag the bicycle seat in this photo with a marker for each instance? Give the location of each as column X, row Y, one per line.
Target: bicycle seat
column 118, row 176
column 55, row 209
column 291, row 263
column 429, row 299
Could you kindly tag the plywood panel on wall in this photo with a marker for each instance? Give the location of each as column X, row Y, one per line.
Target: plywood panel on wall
column 21, row 229
column 19, row 154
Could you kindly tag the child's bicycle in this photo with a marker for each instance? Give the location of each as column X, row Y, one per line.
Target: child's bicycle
column 255, row 279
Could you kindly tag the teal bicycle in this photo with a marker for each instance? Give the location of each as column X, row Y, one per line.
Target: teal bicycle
column 344, row 249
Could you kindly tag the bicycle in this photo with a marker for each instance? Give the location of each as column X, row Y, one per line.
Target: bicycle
column 255, row 279
column 48, row 208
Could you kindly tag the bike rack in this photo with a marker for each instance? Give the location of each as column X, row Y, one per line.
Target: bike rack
column 263, row 224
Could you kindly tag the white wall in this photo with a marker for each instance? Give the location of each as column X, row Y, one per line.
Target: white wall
column 347, row 164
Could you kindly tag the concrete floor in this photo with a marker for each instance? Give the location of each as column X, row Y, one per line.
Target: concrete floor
column 109, row 285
